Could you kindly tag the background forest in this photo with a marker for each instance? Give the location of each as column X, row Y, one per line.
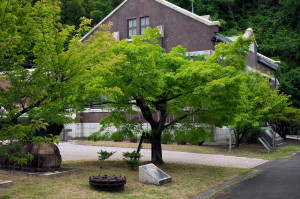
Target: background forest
column 276, row 24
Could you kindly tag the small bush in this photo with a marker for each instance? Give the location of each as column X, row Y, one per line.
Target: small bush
column 103, row 155
column 132, row 159
column 117, row 136
column 128, row 134
column 133, row 138
column 167, row 137
column 197, row 136
column 180, row 137
column 97, row 136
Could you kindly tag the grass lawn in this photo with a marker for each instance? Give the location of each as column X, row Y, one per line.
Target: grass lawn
column 245, row 150
column 188, row 180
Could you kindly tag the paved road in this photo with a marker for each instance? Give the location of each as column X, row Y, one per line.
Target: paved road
column 280, row 180
column 70, row 151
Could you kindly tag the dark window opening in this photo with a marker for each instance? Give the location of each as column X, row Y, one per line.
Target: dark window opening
column 144, row 24
column 132, row 27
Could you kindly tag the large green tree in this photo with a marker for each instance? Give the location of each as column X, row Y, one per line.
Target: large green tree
column 286, row 122
column 156, row 83
column 257, row 105
column 57, row 61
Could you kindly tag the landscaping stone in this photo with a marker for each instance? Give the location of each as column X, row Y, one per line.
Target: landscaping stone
column 151, row 174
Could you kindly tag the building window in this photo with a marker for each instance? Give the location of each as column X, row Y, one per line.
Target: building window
column 131, row 27
column 144, row 24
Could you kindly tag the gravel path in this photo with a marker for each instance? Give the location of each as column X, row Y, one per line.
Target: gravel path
column 70, row 151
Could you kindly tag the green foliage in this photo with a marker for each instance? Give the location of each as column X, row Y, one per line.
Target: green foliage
column 276, row 27
column 167, row 137
column 181, row 137
column 13, row 18
column 198, row 135
column 257, row 104
column 117, row 136
column 18, row 159
column 38, row 140
column 162, row 83
column 290, row 83
column 290, row 12
column 275, row 23
column 39, row 92
column 286, row 122
column 98, row 136
column 132, row 159
column 13, row 136
column 192, row 133
column 252, row 134
column 103, row 155
column 72, row 11
column 30, row 31
column 5, row 197
column 119, row 119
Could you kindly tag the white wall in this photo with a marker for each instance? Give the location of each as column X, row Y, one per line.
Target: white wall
column 83, row 130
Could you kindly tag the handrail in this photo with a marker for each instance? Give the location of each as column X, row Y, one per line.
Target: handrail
column 263, row 141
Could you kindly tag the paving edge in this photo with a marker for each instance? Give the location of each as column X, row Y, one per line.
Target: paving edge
column 227, row 184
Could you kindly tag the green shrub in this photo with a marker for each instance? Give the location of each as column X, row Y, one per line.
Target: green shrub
column 167, row 137
column 130, row 135
column 180, row 137
column 97, row 136
column 133, row 138
column 132, row 159
column 103, row 155
column 197, row 136
column 117, row 136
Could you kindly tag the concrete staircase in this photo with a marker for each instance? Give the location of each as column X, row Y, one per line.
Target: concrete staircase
column 268, row 134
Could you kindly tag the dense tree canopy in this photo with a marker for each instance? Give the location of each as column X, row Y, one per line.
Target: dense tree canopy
column 164, row 84
column 286, row 122
column 257, row 104
column 131, row 77
column 30, row 31
column 276, row 26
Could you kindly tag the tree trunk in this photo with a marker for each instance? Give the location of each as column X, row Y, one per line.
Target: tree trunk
column 239, row 137
column 237, row 141
column 156, row 151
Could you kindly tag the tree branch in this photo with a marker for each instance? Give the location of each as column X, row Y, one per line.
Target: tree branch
column 146, row 112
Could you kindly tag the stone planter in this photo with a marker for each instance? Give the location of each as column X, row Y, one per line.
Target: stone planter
column 45, row 158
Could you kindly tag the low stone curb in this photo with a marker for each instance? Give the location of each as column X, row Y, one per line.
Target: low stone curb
column 5, row 183
column 226, row 185
column 61, row 172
